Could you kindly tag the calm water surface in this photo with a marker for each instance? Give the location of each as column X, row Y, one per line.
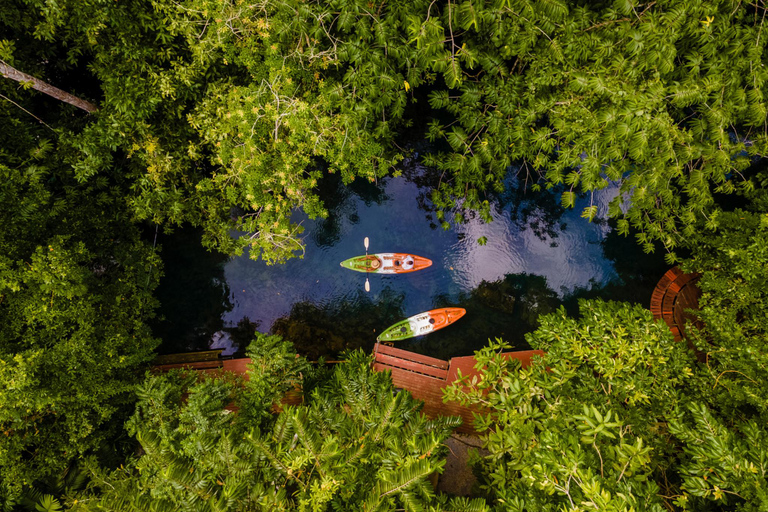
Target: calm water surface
column 537, row 257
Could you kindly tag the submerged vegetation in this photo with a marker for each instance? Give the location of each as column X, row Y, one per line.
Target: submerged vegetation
column 226, row 115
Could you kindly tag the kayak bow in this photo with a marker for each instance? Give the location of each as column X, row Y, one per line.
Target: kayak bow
column 421, row 324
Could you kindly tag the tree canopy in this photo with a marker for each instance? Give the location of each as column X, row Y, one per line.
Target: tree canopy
column 75, row 293
column 230, row 112
column 226, row 114
column 355, row 444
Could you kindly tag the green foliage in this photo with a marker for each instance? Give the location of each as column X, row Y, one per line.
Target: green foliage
column 724, row 459
column 584, row 427
column 231, row 112
column 354, row 444
column 76, row 288
column 275, row 370
column 664, row 97
column 48, row 504
column 726, row 451
column 733, row 261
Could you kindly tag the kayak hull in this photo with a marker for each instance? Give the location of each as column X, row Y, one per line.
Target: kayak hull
column 423, row 323
column 387, row 263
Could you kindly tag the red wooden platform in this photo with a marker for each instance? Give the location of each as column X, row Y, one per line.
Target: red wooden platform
column 207, row 366
column 423, row 376
column 676, row 292
column 426, row 377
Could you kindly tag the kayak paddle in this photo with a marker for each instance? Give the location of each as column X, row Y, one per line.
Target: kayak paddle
column 367, row 284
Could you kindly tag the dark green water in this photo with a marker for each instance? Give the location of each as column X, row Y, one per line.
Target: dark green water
column 537, row 257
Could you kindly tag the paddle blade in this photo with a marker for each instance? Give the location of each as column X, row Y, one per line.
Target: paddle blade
column 367, row 285
column 365, row 243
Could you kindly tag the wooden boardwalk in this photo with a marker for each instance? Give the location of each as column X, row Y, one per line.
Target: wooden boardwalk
column 423, row 376
column 426, row 377
column 674, row 294
column 208, row 362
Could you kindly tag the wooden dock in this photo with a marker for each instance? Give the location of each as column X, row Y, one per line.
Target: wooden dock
column 426, row 377
column 208, row 361
column 423, row 376
column 675, row 293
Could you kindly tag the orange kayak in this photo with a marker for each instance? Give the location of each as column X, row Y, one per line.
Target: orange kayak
column 387, row 263
column 420, row 324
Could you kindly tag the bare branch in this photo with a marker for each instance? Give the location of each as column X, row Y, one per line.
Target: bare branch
column 37, row 84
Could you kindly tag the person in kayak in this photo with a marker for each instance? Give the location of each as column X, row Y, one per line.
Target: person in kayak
column 408, row 264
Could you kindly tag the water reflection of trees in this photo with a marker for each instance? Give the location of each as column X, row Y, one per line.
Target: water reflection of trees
column 541, row 212
column 195, row 297
column 193, row 293
column 508, row 309
column 328, row 329
column 341, row 202
column 637, row 272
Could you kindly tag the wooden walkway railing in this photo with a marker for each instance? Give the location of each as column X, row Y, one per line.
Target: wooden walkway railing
column 426, row 377
column 423, row 376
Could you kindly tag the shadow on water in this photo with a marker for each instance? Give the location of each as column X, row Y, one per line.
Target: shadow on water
column 638, row 273
column 506, row 309
column 341, row 202
column 540, row 212
column 193, row 293
column 327, row 330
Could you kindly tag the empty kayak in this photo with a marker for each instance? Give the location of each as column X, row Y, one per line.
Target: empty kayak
column 423, row 323
column 387, row 263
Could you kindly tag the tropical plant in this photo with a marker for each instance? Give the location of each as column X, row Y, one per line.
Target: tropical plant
column 76, row 283
column 584, row 427
column 617, row 416
column 726, row 450
column 355, row 444
column 231, row 112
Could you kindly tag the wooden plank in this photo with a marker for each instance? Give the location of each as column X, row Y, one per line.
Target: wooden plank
column 199, row 365
column 239, row 365
column 673, row 273
column 395, row 362
column 668, row 306
column 416, row 383
column 188, row 357
column 409, row 356
column 406, row 375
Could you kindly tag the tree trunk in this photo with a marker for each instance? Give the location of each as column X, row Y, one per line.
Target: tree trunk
column 14, row 74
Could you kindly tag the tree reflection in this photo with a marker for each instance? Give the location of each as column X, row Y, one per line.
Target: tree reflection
column 339, row 200
column 638, row 273
column 508, row 308
column 193, row 293
column 540, row 212
column 326, row 330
